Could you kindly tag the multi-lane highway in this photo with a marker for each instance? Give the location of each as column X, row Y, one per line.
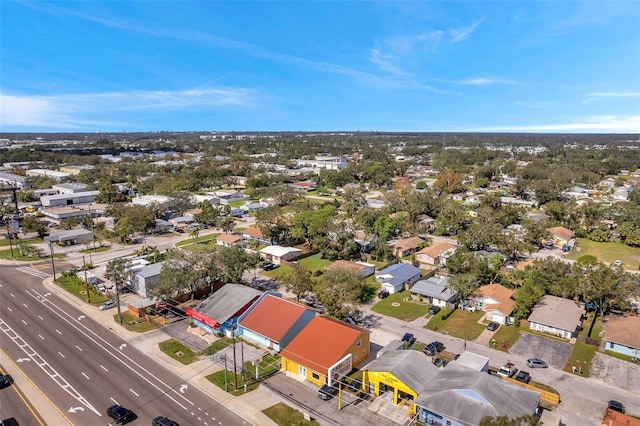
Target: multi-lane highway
column 15, row 408
column 83, row 368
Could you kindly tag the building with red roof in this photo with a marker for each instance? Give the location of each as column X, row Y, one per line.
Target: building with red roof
column 325, row 350
column 273, row 322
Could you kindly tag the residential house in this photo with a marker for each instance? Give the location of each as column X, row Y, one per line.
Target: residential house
column 255, row 234
column 325, row 350
column 193, row 212
column 401, row 373
column 367, row 242
column 406, row 246
column 436, row 254
column 275, row 253
column 151, row 200
column 227, row 240
column 228, row 195
column 71, row 237
column 143, row 277
column 364, row 269
column 182, row 221
column 219, row 313
column 622, row 335
column 306, row 185
column 398, row 277
column 561, row 235
column 160, row 226
column 459, row 396
column 272, row 322
column 557, row 316
column 435, row 292
column 496, row 300
column 621, row 193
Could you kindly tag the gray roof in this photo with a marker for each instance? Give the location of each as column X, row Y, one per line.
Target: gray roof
column 468, row 396
column 71, row 185
column 68, row 234
column 552, row 311
column 400, row 272
column 407, row 365
column 151, row 270
column 434, row 287
column 12, row 176
column 226, row 302
column 73, row 195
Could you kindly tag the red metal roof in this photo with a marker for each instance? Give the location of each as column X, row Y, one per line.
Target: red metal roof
column 273, row 317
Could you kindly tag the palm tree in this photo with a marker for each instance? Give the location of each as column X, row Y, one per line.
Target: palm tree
column 194, row 234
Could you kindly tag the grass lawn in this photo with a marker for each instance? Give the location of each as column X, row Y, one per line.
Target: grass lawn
column 5, row 241
column 96, row 250
column 581, row 357
column 597, row 328
column 607, row 252
column 314, row 262
column 178, row 351
column 284, row 415
column 505, row 337
column 78, row 288
column 6, row 254
column 406, row 311
column 217, row 346
column 279, row 272
column 200, row 240
column 461, row 324
column 131, row 323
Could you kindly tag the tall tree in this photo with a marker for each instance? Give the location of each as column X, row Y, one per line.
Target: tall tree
column 299, row 282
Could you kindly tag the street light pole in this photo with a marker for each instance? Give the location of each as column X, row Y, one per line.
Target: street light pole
column 235, row 368
column 86, row 281
column 53, row 265
column 115, row 279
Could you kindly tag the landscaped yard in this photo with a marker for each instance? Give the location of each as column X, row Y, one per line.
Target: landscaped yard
column 461, row 324
column 78, row 288
column 178, row 351
column 395, row 306
column 607, row 252
column 505, row 337
column 131, row 323
column 217, row 346
column 314, row 263
column 581, row 357
column 284, row 415
column 279, row 272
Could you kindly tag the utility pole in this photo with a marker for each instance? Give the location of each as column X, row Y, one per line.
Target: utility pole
column 235, row 368
column 84, row 267
column 115, row 279
column 242, row 357
column 53, row 265
column 226, row 387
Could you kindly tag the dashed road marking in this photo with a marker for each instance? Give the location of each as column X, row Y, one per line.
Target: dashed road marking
column 133, row 392
column 58, row 331
column 41, row 336
column 24, row 322
column 60, row 353
column 103, row 367
column 25, row 305
column 87, row 377
column 79, row 348
column 40, row 317
column 33, row 272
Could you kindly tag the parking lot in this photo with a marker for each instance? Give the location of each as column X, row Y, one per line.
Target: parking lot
column 554, row 352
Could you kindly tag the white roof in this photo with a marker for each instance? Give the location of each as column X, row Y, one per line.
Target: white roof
column 279, row 251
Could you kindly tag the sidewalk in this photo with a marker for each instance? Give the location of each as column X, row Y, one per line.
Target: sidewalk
column 248, row 406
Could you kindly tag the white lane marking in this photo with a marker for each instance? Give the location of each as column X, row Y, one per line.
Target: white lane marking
column 133, row 392
column 87, row 377
column 33, row 272
column 79, row 348
column 1, row 286
column 206, row 424
column 58, row 331
column 220, row 423
column 60, row 353
column 120, row 357
column 10, row 310
column 25, row 305
column 44, row 366
column 24, row 322
column 103, row 367
column 40, row 335
column 12, row 295
column 40, row 317
column 114, row 401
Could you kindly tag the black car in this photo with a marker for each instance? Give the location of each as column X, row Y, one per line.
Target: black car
column 523, row 377
column 120, row 415
column 355, row 385
column 269, row 266
column 327, row 392
column 438, row 362
column 163, row 421
column 434, row 309
column 409, row 338
column 5, row 381
column 616, row 406
column 383, row 294
column 493, row 326
column 433, row 348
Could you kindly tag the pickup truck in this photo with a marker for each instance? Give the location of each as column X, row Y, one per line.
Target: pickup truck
column 508, row 370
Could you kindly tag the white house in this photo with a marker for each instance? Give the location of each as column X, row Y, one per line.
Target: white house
column 397, row 277
column 141, row 278
column 276, row 253
column 557, row 316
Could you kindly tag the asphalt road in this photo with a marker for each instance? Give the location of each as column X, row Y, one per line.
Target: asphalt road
column 15, row 408
column 83, row 368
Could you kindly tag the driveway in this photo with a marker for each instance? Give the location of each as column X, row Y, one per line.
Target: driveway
column 554, row 352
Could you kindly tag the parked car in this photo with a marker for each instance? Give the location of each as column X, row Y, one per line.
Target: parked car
column 616, row 406
column 433, row 348
column 120, row 415
column 163, row 421
column 493, row 326
column 434, row 310
column 383, row 294
column 355, row 385
column 5, row 381
column 523, row 377
column 327, row 392
column 107, row 305
column 536, row 363
column 269, row 266
column 618, row 263
column 438, row 362
column 409, row 338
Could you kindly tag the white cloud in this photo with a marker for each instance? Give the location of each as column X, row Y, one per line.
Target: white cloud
column 593, row 124
column 459, row 34
column 385, row 62
column 484, row 81
column 84, row 110
column 602, row 95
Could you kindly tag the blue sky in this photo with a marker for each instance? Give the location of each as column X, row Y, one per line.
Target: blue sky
column 504, row 66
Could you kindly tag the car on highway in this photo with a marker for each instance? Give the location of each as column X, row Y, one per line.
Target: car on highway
column 616, row 406
column 536, row 363
column 433, row 348
column 5, row 381
column 107, row 305
column 163, row 421
column 120, row 415
column 493, row 326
